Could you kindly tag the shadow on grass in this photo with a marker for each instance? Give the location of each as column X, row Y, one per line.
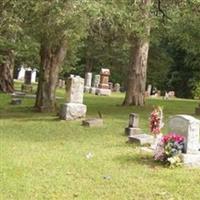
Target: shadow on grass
column 138, row 159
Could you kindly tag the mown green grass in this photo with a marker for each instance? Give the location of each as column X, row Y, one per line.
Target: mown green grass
column 45, row 158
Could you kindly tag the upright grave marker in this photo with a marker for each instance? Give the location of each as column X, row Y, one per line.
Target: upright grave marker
column 104, row 83
column 88, row 82
column 74, row 107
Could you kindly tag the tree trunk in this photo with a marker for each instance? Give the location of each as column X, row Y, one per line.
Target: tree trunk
column 6, row 72
column 136, row 81
column 51, row 60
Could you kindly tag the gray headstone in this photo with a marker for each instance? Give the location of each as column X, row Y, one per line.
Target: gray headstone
column 96, row 81
column 134, row 120
column 75, row 87
column 189, row 127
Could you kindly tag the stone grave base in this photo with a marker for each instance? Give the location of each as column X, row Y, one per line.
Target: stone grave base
column 87, row 89
column 71, row 111
column 132, row 131
column 197, row 111
column 93, row 90
column 93, row 122
column 191, row 160
column 103, row 92
column 142, row 139
column 27, row 88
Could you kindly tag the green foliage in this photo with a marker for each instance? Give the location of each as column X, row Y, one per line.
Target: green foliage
column 196, row 91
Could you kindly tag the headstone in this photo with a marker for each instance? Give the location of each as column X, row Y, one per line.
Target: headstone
column 74, row 107
column 116, row 87
column 133, row 126
column 104, row 86
column 134, row 132
column 27, row 78
column 171, row 94
column 110, row 85
column 149, row 88
column 60, row 83
column 21, row 74
column 88, row 82
column 96, row 81
column 189, row 127
column 27, row 87
column 33, row 76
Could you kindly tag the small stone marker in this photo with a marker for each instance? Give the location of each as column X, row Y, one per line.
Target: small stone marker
column 74, row 108
column 116, row 87
column 16, row 101
column 93, row 122
column 133, row 128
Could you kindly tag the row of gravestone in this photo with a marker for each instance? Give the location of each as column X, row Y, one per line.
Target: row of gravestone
column 185, row 125
column 100, row 84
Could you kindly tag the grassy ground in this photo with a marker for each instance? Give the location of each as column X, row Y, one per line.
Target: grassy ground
column 45, row 158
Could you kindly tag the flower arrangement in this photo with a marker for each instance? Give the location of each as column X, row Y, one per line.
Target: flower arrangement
column 170, row 149
column 156, row 120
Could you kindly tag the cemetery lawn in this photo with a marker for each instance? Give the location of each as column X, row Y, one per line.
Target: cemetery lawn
column 43, row 158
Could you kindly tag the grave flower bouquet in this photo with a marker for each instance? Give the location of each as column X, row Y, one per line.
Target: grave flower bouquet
column 169, row 150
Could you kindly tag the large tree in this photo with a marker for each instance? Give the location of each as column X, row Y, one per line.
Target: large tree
column 136, row 80
column 54, row 24
column 10, row 27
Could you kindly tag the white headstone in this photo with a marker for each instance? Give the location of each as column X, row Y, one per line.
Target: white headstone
column 189, row 127
column 21, row 74
column 33, row 76
column 88, row 79
column 75, row 88
column 149, row 88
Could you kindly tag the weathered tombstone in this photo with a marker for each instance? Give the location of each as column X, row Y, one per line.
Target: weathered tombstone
column 27, row 87
column 110, row 85
column 149, row 88
column 59, row 84
column 116, row 87
column 189, row 127
column 104, row 86
column 133, row 126
column 21, row 74
column 88, row 82
column 74, row 107
column 171, row 94
column 134, row 132
column 33, row 76
column 96, row 81
column 95, row 84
